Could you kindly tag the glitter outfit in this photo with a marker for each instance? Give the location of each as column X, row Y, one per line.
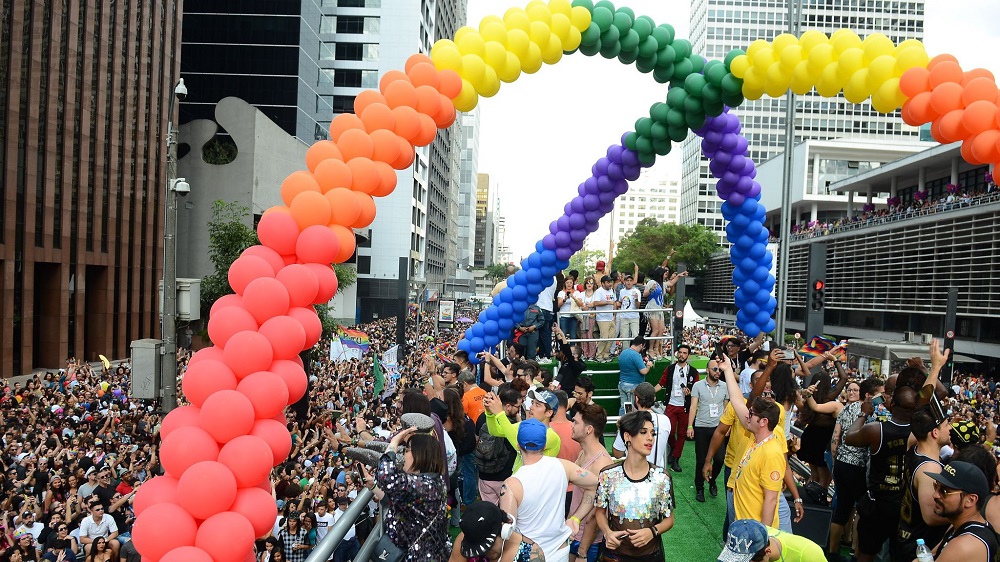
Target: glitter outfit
column 635, row 504
column 413, row 503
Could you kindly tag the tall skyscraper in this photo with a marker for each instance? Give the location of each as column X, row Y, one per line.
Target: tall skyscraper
column 84, row 89
column 468, row 185
column 653, row 195
column 718, row 26
column 484, row 245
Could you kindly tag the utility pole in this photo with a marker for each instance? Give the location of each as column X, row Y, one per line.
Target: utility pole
column 168, row 374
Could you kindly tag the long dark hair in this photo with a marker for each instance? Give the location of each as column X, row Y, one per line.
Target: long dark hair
column 456, row 413
column 783, row 384
column 426, row 453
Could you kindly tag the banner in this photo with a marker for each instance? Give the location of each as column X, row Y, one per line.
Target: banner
column 389, row 370
column 816, row 347
column 446, row 312
column 349, row 344
column 353, row 338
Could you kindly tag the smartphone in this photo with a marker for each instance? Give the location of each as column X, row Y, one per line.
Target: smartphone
column 629, row 408
column 788, row 355
column 878, row 401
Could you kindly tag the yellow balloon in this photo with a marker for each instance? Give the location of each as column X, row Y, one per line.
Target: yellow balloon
column 763, row 59
column 843, row 40
column 820, row 56
column 912, row 57
column 856, row 90
column 517, row 42
column 739, row 66
column 783, row 41
column 777, row 81
column 884, row 99
column 516, row 18
column 752, row 94
column 553, row 51
column 471, row 43
column 757, row 46
column 462, row 32
column 811, row 39
column 876, row 45
column 493, row 30
column 446, row 55
column 560, row 26
column 581, row 18
column 753, row 79
column 467, row 99
column 538, row 11
column 880, row 70
column 790, row 57
column 802, row 78
column 829, row 83
column 849, row 62
column 540, row 33
column 563, row 7
column 495, row 55
column 489, row 85
column 907, row 44
column 533, row 61
column 473, row 69
column 573, row 40
column 512, row 70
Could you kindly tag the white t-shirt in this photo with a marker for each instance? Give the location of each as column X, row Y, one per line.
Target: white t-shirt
column 567, row 304
column 630, row 299
column 606, row 295
column 451, row 453
column 546, row 296
column 103, row 528
column 745, row 375
column 677, row 392
column 661, row 424
column 323, row 524
column 582, row 295
column 337, row 514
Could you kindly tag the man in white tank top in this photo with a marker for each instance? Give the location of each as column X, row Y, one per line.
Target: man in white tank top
column 536, row 494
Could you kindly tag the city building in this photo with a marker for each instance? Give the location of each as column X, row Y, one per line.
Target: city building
column 467, row 193
column 653, row 195
column 85, row 89
column 718, row 26
column 485, row 249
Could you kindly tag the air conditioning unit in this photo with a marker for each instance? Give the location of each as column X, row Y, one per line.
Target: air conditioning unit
column 926, row 338
column 910, row 336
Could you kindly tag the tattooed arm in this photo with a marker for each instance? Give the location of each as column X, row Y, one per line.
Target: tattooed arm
column 587, row 482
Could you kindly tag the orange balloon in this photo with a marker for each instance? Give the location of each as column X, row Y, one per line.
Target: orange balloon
column 310, row 208
column 406, row 154
column 951, row 127
column 344, row 207
column 977, row 73
column 407, row 122
column 428, row 101
column 939, row 59
column 415, row 59
column 280, row 209
column 320, row 151
column 347, row 243
column 355, row 143
column 451, row 84
column 386, row 180
column 331, row 174
column 914, row 81
column 386, row 147
column 378, row 116
column 389, row 78
column 400, row 93
column 344, row 122
column 367, row 205
column 981, row 88
column 984, row 146
column 424, row 74
column 366, row 99
column 428, row 130
column 946, row 97
column 979, row 116
column 967, row 153
column 365, row 176
column 296, row 183
column 945, row 72
column 920, row 108
column 447, row 115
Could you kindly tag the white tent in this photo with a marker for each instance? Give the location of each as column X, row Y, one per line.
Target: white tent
column 690, row 316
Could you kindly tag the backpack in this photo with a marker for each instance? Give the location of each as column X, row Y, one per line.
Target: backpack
column 492, row 454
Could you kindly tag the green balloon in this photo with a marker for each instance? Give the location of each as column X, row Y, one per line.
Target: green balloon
column 694, row 84
column 648, row 47
column 630, row 41
column 683, row 48
column 661, row 35
column 669, row 31
column 663, row 75
column 628, row 12
column 715, row 71
column 630, row 140
column 628, row 57
column 644, row 144
column 731, row 85
column 695, row 120
column 591, row 35
column 610, row 36
column 692, row 104
column 592, row 49
column 623, row 22
column 678, row 134
column 676, row 97
column 644, row 126
column 645, row 65
column 658, row 111
column 647, row 158
column 733, row 100
column 659, row 132
column 606, row 4
column 697, row 63
column 675, row 118
column 666, row 55
column 610, row 50
column 603, row 17
column 585, row 3
column 682, row 68
column 662, row 146
column 711, row 93
column 643, row 25
column 713, row 108
column 732, row 55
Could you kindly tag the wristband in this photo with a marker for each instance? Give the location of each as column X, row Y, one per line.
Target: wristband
column 653, row 528
column 797, row 500
column 690, row 427
column 575, row 518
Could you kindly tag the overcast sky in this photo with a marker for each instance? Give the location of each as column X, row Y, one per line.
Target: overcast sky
column 541, row 134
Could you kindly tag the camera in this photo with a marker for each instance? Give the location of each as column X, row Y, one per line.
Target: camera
column 181, row 186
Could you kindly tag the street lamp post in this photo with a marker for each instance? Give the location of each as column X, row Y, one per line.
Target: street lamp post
column 175, row 185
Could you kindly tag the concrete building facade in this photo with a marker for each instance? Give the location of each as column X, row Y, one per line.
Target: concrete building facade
column 653, row 195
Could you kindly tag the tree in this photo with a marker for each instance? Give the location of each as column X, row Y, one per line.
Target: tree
column 228, row 236
column 346, row 275
column 651, row 241
column 497, row 271
column 585, row 261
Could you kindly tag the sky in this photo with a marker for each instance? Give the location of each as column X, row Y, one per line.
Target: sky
column 541, row 134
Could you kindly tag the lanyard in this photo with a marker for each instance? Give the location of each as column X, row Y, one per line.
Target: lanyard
column 749, row 453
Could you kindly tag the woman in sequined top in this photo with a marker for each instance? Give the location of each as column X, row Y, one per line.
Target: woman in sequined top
column 415, row 496
column 635, row 499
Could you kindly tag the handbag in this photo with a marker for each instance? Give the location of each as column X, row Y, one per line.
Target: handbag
column 387, row 551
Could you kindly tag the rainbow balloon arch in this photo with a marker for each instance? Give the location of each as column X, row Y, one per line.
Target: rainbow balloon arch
column 217, row 452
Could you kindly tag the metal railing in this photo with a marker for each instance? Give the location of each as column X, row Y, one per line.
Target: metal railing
column 335, row 535
column 667, row 313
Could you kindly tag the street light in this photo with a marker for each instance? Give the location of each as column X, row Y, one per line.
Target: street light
column 175, row 185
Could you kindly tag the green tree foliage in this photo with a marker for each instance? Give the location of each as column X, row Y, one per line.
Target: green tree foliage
column 497, row 271
column 228, row 236
column 219, row 151
column 347, row 275
column 651, row 241
column 585, row 261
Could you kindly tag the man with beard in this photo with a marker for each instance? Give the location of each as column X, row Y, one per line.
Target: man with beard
column 708, row 401
column 588, row 428
column 960, row 490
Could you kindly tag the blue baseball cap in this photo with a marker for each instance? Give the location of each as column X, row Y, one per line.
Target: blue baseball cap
column 531, row 435
column 746, row 537
column 544, row 396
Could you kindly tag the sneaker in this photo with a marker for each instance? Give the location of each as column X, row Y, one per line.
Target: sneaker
column 713, row 489
column 675, row 465
column 700, row 496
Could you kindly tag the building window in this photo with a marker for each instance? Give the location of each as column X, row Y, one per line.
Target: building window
column 355, row 3
column 325, row 76
column 357, row 51
column 328, row 24
column 356, row 78
column 323, row 103
column 364, row 265
column 343, row 104
column 327, row 51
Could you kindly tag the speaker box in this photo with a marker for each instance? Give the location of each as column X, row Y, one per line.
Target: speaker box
column 815, row 524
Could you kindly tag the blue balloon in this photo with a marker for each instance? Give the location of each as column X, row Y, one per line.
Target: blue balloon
column 762, row 297
column 749, row 207
column 757, row 251
column 491, row 340
column 505, row 310
column 548, row 257
column 751, row 308
column 753, row 227
column 769, row 326
column 768, row 283
column 534, row 261
column 463, row 344
column 742, row 318
column 549, row 271
column 739, row 277
column 772, row 304
column 506, row 324
column 539, row 247
column 476, row 346
column 477, row 332
column 506, row 295
column 491, row 327
column 744, row 242
column 535, row 288
column 761, row 318
column 520, row 294
column 562, row 264
column 740, row 297
column 751, row 286
column 750, row 329
column 534, row 276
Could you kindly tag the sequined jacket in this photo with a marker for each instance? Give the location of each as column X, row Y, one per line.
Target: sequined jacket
column 414, row 510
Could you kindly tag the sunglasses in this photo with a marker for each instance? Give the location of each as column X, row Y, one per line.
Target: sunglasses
column 944, row 492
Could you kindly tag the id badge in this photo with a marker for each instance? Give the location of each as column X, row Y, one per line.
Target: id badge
column 713, row 410
column 678, row 392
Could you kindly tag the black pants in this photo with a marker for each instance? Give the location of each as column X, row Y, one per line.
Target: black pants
column 702, row 439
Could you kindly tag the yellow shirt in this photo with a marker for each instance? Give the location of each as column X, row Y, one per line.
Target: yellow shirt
column 795, row 548
column 762, row 467
column 499, row 426
column 739, row 436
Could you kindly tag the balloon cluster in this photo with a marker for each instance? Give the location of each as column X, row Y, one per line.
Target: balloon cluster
column 960, row 106
column 596, row 197
column 502, row 48
column 843, row 61
column 723, row 144
column 218, row 452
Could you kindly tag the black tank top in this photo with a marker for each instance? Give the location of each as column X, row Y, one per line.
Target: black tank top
column 983, row 532
column 885, row 473
column 903, row 546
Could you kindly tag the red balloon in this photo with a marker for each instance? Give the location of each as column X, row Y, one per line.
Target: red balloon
column 249, row 459
column 310, row 322
column 272, row 257
column 185, row 416
column 205, row 379
column 186, row 554
column 163, row 527
column 186, row 447
column 231, row 320
column 286, row 334
column 205, row 489
column 267, row 392
column 278, row 231
column 294, row 376
column 266, row 297
column 161, row 489
column 225, row 301
column 265, row 484
column 277, row 438
column 248, row 352
column 317, row 244
column 258, row 507
column 327, row 281
column 226, row 415
column 226, row 537
column 301, row 283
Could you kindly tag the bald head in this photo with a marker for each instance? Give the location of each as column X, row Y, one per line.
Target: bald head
column 905, row 398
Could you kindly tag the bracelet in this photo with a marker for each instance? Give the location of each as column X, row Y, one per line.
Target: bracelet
column 797, row 500
column 653, row 528
column 690, row 427
column 575, row 518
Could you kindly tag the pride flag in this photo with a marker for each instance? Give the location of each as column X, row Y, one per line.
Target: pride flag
column 817, row 346
column 354, row 339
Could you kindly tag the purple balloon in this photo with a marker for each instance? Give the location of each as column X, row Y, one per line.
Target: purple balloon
column 749, row 169
column 736, row 199
column 563, row 223
column 737, row 162
column 593, row 216
column 553, row 227
column 549, row 241
column 722, row 191
column 615, row 171
column 577, row 221
column 577, row 204
column 601, row 167
column 741, row 145
column 632, row 171
column 582, row 189
column 607, row 207
column 604, row 183
column 615, row 153
column 731, row 178
column 621, row 187
column 723, row 157
column 630, row 158
column 576, row 245
column 562, row 240
column 733, row 126
column 592, row 202
column 592, row 226
column 716, row 168
column 578, row 234
column 729, row 143
column 608, row 197
column 754, row 190
column 744, row 184
column 717, row 123
column 568, row 208
column 713, row 138
column 564, row 253
column 591, row 185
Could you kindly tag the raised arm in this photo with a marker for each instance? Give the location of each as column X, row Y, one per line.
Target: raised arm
column 733, row 387
column 938, row 361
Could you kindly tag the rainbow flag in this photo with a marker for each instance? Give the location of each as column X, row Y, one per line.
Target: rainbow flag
column 817, row 346
column 354, row 339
